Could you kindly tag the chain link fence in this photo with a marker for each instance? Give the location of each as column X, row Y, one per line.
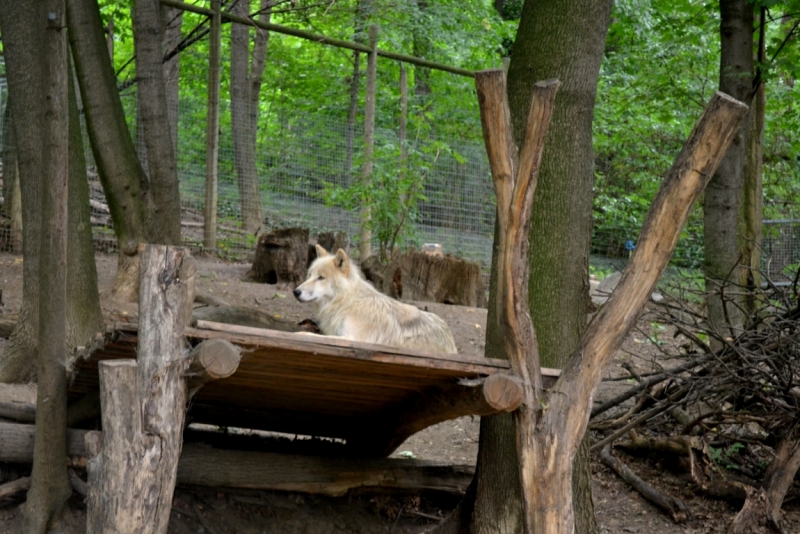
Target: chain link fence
column 299, row 158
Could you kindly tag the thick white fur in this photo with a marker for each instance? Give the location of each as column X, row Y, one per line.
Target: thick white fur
column 348, row 306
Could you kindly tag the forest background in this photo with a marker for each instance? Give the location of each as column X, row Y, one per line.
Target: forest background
column 431, row 178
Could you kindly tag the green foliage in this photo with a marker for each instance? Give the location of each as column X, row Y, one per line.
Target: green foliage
column 725, row 456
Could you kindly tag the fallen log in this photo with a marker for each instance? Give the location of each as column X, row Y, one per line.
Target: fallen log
column 211, row 360
column 673, row 506
column 243, row 316
column 202, row 465
column 10, row 489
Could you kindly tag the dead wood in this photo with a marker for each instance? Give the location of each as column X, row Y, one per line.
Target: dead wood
column 202, row 465
column 210, row 300
column 420, row 276
column 10, row 489
column 672, row 505
column 241, row 315
column 212, row 359
column 78, row 484
column 132, row 476
column 679, row 445
column 550, row 425
column 281, row 258
column 661, row 377
column 7, row 324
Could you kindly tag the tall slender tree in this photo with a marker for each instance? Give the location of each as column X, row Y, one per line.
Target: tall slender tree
column 165, row 203
column 124, row 181
column 25, row 85
column 723, row 196
column 246, row 79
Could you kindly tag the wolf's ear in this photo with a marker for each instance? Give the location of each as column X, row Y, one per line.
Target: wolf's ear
column 321, row 252
column 342, row 261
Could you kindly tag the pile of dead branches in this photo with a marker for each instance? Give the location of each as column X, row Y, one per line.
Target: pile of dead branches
column 729, row 404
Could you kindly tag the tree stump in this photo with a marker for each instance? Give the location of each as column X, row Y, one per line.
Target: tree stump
column 416, row 275
column 281, row 257
column 330, row 242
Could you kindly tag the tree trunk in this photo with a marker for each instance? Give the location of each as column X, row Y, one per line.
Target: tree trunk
column 173, row 21
column 50, row 487
column 723, row 197
column 752, row 209
column 422, row 48
column 559, row 237
column 144, row 404
column 365, row 235
column 11, row 188
column 212, row 130
column 245, row 98
column 84, row 316
column 124, row 181
column 163, row 194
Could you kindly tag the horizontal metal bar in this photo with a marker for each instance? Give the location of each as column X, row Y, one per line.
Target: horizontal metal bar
column 341, row 43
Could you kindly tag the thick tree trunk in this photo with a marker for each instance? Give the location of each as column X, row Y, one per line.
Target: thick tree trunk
column 560, row 232
column 723, row 197
column 163, row 193
column 245, row 93
column 84, row 318
column 50, row 487
column 121, row 174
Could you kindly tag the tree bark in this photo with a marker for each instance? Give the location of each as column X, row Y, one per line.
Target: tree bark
column 560, row 232
column 162, row 165
column 124, row 181
column 365, row 236
column 723, row 197
column 11, row 188
column 50, row 487
column 84, row 318
column 144, row 402
column 173, row 22
column 245, row 99
column 212, row 129
column 752, row 209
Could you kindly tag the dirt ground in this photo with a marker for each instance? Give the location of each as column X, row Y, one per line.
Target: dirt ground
column 618, row 508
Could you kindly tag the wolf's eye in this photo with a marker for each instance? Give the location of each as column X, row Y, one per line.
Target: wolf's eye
column 321, row 278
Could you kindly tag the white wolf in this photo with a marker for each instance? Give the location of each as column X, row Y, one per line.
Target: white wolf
column 348, row 306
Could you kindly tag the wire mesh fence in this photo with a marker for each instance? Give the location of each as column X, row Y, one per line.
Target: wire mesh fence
column 299, row 160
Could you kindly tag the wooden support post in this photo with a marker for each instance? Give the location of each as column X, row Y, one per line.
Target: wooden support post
column 211, row 360
column 365, row 243
column 133, row 472
column 495, row 394
column 212, row 130
column 550, row 425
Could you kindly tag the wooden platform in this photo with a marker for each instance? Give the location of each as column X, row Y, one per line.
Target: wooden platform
column 371, row 396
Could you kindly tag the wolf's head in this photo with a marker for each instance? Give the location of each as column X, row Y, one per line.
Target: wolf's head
column 326, row 277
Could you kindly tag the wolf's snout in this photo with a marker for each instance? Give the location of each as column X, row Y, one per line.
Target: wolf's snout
column 297, row 293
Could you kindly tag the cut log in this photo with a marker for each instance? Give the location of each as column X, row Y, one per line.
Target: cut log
column 281, row 257
column 495, row 394
column 10, row 489
column 330, row 242
column 211, row 360
column 240, row 315
column 7, row 324
column 416, row 275
column 132, row 477
column 201, row 465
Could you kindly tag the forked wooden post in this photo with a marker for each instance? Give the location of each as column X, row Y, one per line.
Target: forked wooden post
column 132, row 474
column 515, row 175
column 550, row 425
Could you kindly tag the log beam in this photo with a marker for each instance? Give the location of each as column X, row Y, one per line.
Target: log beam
column 202, row 465
column 211, row 360
column 132, row 473
column 495, row 394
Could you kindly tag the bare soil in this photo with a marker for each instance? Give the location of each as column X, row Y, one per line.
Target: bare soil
column 618, row 508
